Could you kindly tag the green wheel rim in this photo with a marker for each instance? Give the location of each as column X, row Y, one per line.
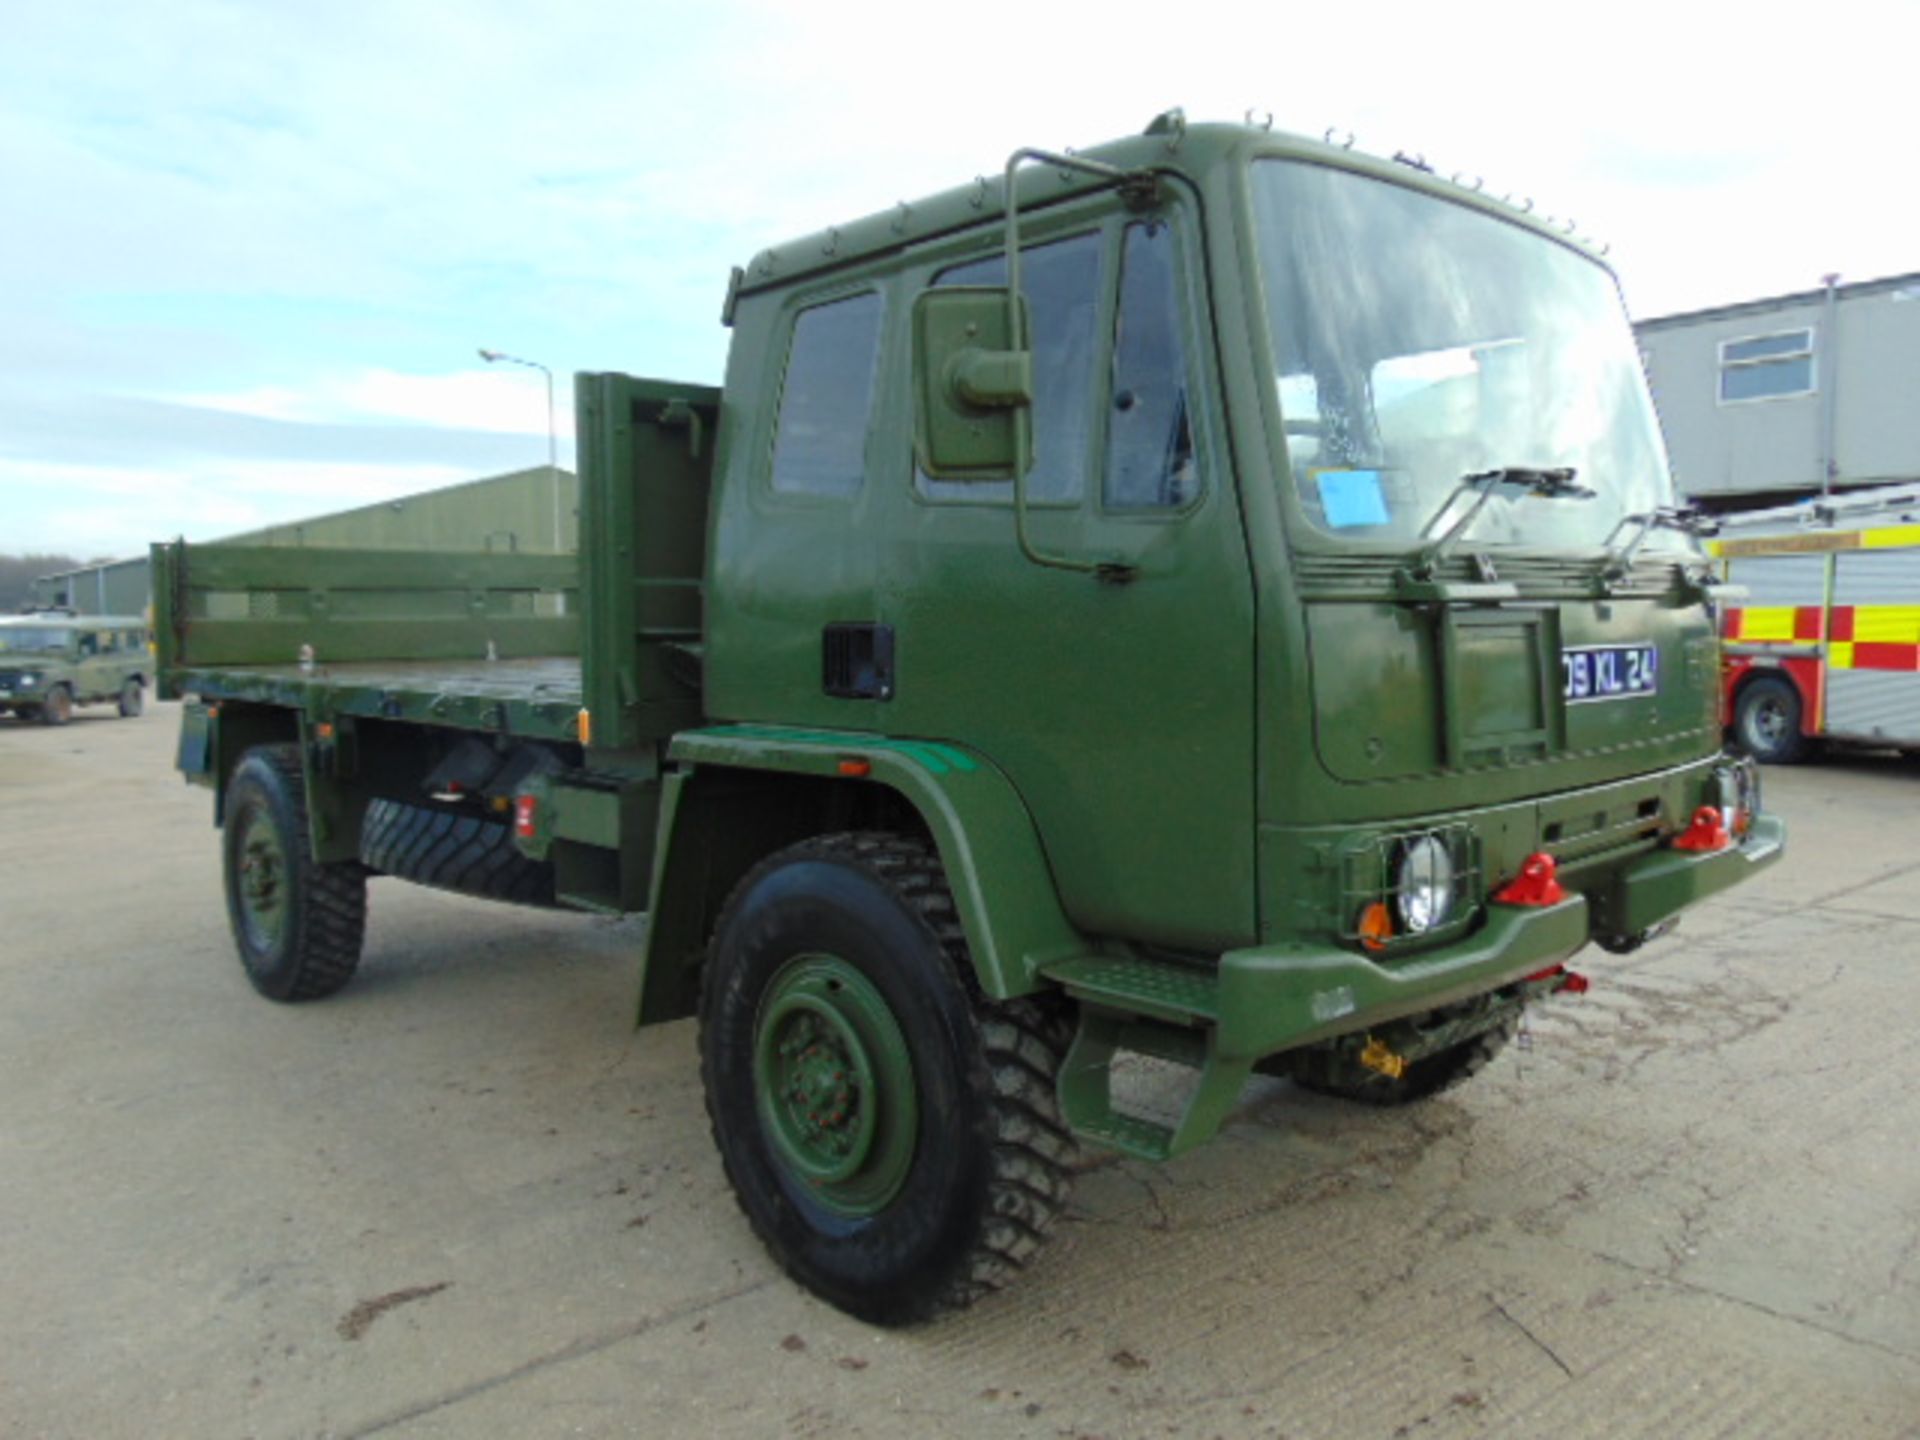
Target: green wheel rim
column 261, row 883
column 834, row 1082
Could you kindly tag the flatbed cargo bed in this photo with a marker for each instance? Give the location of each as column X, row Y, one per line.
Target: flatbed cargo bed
column 538, row 696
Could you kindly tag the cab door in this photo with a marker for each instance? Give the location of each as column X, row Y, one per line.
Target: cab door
column 1122, row 710
column 93, row 676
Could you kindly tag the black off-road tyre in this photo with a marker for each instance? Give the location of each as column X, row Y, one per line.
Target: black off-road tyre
column 57, row 708
column 988, row 1167
column 1339, row 1072
column 1766, row 721
column 133, row 698
column 452, row 851
column 297, row 924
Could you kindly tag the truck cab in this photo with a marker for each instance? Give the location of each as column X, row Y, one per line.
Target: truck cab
column 1284, row 411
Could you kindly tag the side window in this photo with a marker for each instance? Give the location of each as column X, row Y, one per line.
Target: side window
column 1150, row 455
column 89, row 643
column 826, row 398
column 1062, row 284
column 1766, row 367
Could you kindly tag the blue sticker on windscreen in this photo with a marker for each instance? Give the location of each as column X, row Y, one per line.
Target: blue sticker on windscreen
column 1352, row 497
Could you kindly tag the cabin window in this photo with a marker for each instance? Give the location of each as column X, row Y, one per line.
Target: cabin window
column 826, row 399
column 1062, row 284
column 1151, row 463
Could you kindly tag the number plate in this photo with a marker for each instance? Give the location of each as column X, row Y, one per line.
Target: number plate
column 1609, row 672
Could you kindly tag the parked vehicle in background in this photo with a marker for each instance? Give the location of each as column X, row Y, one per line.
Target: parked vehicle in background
column 53, row 660
column 1216, row 597
column 1825, row 644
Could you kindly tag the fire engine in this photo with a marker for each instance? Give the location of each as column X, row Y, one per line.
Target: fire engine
column 1825, row 644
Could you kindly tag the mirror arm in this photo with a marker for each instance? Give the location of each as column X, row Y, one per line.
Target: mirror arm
column 1140, row 188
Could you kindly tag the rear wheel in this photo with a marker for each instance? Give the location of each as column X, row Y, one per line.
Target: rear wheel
column 1766, row 721
column 298, row 924
column 132, row 698
column 891, row 1135
column 57, row 708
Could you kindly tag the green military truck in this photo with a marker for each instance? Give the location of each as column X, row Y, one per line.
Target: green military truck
column 53, row 660
column 1215, row 597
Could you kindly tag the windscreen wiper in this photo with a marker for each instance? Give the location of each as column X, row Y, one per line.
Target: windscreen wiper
column 1554, row 484
column 1636, row 528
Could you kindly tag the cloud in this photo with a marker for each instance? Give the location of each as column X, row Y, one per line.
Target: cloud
column 119, row 510
column 130, row 431
column 491, row 401
column 241, row 237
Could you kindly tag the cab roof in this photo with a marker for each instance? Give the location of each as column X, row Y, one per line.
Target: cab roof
column 1169, row 146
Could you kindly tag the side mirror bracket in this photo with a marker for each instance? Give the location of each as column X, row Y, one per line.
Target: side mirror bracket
column 973, row 367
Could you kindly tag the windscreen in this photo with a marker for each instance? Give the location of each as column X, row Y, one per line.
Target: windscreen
column 31, row 639
column 1420, row 341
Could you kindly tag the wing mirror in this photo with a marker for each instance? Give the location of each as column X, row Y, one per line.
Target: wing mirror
column 972, row 387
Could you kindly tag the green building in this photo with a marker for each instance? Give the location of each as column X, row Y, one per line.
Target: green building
column 533, row 511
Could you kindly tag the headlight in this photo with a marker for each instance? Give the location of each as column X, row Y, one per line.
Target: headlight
column 1423, row 885
column 28, row 681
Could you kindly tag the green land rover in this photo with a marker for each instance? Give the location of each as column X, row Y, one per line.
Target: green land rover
column 51, row 661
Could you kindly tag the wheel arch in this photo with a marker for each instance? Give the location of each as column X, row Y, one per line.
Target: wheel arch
column 733, row 795
column 234, row 729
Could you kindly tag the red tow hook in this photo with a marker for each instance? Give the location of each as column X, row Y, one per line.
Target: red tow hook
column 1707, row 832
column 1572, row 982
column 1535, row 885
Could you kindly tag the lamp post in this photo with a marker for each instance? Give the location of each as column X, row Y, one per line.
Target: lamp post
column 498, row 357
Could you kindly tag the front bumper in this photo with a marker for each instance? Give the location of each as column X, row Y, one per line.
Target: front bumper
column 1274, row 997
column 1270, row 998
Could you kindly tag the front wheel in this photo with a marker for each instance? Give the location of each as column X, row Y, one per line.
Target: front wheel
column 297, row 923
column 132, row 698
column 892, row 1137
column 57, row 708
column 1766, row 721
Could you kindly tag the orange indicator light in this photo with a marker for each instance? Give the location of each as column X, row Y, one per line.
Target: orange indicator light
column 856, row 769
column 1376, row 926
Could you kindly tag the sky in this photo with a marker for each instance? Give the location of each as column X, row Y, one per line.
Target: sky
column 248, row 251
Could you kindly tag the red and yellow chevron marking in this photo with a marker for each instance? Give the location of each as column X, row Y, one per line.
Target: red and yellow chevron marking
column 1772, row 624
column 1875, row 637
column 1859, row 637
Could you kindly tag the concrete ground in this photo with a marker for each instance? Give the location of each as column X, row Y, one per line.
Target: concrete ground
column 465, row 1198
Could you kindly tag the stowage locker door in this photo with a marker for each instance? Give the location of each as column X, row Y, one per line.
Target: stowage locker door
column 1121, row 707
column 1873, row 646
